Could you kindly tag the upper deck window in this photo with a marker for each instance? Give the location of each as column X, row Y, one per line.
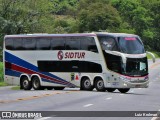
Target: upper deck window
column 131, row 45
column 57, row 44
column 52, row 43
column 72, row 43
column 108, row 43
column 29, row 44
column 43, row 44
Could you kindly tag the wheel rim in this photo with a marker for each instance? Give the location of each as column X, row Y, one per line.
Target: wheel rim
column 25, row 83
column 87, row 83
column 100, row 84
column 36, row 83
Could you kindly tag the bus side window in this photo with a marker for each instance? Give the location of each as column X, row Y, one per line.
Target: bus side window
column 29, row 43
column 9, row 44
column 18, row 44
column 89, row 44
column 57, row 44
column 72, row 43
column 43, row 44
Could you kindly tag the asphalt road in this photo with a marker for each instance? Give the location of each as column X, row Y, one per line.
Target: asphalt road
column 146, row 99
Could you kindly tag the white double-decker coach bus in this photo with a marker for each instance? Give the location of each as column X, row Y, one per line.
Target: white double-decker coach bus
column 105, row 61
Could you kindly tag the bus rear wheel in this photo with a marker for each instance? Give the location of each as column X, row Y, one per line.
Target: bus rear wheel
column 99, row 85
column 110, row 89
column 58, row 88
column 124, row 90
column 26, row 84
column 86, row 84
column 36, row 84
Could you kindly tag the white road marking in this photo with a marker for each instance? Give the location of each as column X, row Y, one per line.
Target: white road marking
column 139, row 88
column 156, row 118
column 44, row 118
column 121, row 94
column 87, row 105
column 109, row 98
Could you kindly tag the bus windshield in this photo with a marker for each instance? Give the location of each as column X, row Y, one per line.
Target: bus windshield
column 136, row 67
column 131, row 45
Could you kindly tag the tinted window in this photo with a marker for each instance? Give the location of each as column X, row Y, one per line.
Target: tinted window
column 43, row 44
column 131, row 45
column 29, row 43
column 137, row 66
column 69, row 66
column 9, row 44
column 72, row 43
column 108, row 43
column 88, row 43
column 18, row 44
column 114, row 63
column 58, row 44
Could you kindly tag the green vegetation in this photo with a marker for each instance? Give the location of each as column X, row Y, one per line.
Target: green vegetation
column 1, row 71
column 70, row 16
column 157, row 55
column 2, row 83
column 16, row 88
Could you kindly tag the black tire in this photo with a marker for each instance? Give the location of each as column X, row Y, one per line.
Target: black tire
column 110, row 89
column 36, row 84
column 86, row 85
column 58, row 88
column 99, row 85
column 124, row 90
column 25, row 84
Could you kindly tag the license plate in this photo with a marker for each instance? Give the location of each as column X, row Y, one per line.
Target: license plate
column 138, row 86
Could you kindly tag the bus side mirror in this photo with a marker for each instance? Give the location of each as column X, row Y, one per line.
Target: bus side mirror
column 152, row 55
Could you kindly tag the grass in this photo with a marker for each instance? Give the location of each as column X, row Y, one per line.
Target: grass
column 2, row 83
column 16, row 88
column 157, row 55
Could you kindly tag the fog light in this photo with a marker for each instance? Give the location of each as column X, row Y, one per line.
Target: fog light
column 125, row 84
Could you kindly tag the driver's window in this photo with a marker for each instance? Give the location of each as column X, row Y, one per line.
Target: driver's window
column 108, row 43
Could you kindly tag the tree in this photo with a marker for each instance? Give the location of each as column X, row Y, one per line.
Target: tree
column 98, row 16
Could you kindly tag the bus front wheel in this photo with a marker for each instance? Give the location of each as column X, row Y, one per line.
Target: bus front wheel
column 99, row 85
column 124, row 90
column 26, row 84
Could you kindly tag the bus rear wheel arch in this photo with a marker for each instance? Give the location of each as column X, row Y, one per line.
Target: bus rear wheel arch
column 86, row 84
column 25, row 83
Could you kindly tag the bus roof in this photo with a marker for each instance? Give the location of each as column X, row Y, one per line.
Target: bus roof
column 50, row 35
column 115, row 34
